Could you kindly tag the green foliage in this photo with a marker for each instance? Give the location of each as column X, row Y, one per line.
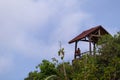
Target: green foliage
column 85, row 68
column 61, row 53
column 46, row 69
column 68, row 68
column 108, row 61
column 34, row 76
column 105, row 66
column 53, row 77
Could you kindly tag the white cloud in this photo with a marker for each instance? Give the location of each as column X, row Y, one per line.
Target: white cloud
column 23, row 24
column 21, row 20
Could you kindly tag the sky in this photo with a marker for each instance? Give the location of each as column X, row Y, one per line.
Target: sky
column 30, row 30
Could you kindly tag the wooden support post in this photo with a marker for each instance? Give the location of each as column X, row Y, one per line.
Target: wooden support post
column 90, row 45
column 94, row 49
column 90, row 48
column 75, row 49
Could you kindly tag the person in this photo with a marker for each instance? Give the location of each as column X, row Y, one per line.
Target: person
column 78, row 52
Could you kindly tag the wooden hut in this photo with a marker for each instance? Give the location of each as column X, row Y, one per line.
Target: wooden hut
column 91, row 35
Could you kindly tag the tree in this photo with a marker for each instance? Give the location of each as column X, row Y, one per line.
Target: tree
column 69, row 71
column 46, row 69
column 109, row 60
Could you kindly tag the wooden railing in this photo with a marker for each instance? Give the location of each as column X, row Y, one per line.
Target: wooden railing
column 88, row 52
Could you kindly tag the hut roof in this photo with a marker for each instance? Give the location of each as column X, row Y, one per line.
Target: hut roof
column 89, row 32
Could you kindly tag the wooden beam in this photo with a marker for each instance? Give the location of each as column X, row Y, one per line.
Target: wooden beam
column 95, row 35
column 85, row 40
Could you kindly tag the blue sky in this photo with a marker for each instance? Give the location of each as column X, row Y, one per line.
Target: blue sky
column 30, row 30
